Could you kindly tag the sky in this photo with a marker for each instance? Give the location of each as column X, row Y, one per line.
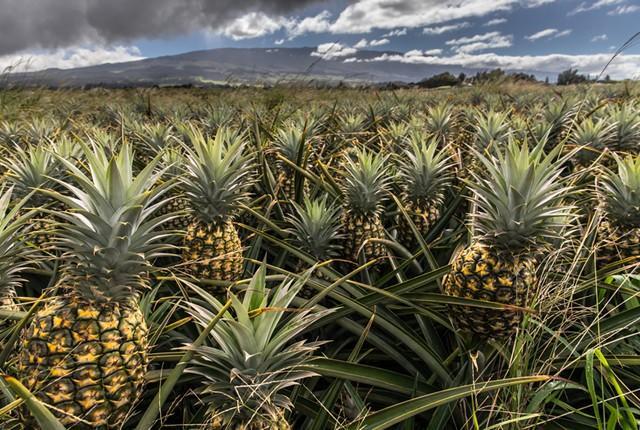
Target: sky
column 532, row 35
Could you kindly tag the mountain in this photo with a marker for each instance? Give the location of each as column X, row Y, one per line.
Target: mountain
column 239, row 66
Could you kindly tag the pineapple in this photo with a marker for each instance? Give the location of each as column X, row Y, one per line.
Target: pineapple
column 32, row 170
column 518, row 208
column 291, row 144
column 85, row 352
column 619, row 230
column 315, row 229
column 253, row 357
column 152, row 139
column 364, row 186
column 425, row 174
column 215, row 182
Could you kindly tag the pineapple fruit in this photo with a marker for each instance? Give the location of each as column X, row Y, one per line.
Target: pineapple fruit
column 518, row 208
column 215, row 182
column 253, row 357
column 619, row 229
column 364, row 188
column 425, row 173
column 85, row 352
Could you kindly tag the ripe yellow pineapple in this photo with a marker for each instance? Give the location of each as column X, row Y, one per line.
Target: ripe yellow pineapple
column 85, row 352
column 519, row 205
column 215, row 182
column 364, row 188
column 425, row 173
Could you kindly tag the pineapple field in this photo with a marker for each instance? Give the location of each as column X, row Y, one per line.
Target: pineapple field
column 295, row 258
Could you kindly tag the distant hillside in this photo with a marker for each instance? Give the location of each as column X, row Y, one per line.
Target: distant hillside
column 228, row 66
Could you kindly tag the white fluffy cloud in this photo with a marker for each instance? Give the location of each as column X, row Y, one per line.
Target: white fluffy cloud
column 311, row 24
column 329, row 51
column 395, row 33
column 624, row 66
column 445, row 28
column 252, row 25
column 362, row 16
column 586, row 7
column 496, row 21
column 599, row 38
column 480, row 42
column 549, row 33
column 364, row 43
column 624, row 9
column 68, row 58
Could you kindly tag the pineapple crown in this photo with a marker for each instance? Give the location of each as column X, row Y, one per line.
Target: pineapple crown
column 315, row 228
column 519, row 199
column 621, row 191
column 253, row 356
column 290, row 142
column 352, row 123
column 32, row 169
column 491, row 128
column 425, row 171
column 440, row 121
column 592, row 137
column 155, row 137
column 109, row 234
column 366, row 182
column 217, row 174
column 627, row 126
column 12, row 247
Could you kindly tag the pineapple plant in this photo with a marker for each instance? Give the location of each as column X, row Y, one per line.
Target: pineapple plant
column 253, row 357
column 291, row 144
column 519, row 207
column 216, row 180
column 626, row 120
column 441, row 123
column 425, row 173
column 13, row 251
column 85, row 352
column 151, row 140
column 619, row 195
column 592, row 138
column 315, row 229
column 34, row 169
column 364, row 187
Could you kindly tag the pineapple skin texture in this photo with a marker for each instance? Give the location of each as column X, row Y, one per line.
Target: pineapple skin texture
column 217, row 423
column 480, row 272
column 357, row 229
column 87, row 359
column 177, row 204
column 423, row 217
column 617, row 243
column 213, row 252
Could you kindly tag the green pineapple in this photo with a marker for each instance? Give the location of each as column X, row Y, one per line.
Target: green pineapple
column 626, row 120
column 85, row 352
column 425, row 174
column 364, row 188
column 441, row 123
column 619, row 194
column 519, row 206
column 253, row 358
column 215, row 182
column 315, row 229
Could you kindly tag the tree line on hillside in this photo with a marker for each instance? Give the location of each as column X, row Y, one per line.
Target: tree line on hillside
column 447, row 79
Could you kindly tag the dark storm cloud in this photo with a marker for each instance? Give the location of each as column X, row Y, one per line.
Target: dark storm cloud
column 58, row 23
